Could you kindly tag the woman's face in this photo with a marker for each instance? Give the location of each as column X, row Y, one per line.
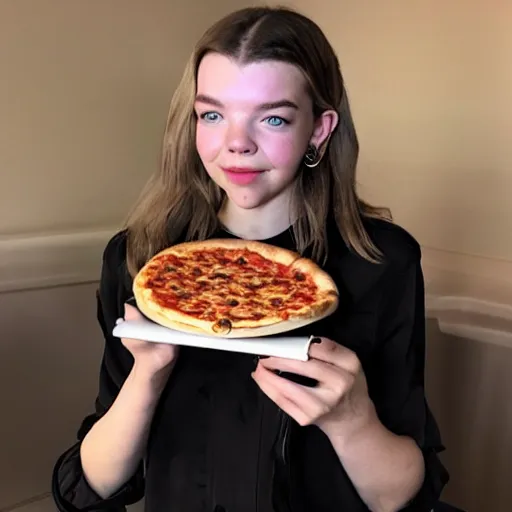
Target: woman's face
column 254, row 123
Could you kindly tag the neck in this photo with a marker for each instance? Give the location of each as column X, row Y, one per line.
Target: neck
column 258, row 223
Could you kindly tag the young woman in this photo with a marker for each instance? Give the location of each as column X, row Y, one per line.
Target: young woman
column 260, row 145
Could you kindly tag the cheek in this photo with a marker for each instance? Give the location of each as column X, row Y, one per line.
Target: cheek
column 208, row 143
column 284, row 153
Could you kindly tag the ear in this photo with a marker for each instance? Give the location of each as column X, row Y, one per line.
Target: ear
column 324, row 126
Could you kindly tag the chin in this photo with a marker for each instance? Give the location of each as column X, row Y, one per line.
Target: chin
column 246, row 201
column 249, row 205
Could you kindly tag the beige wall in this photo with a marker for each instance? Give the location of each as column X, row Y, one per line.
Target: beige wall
column 50, row 347
column 85, row 88
column 84, row 91
column 430, row 85
column 431, row 88
column 83, row 99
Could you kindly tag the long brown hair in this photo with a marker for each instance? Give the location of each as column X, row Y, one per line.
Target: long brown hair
column 182, row 201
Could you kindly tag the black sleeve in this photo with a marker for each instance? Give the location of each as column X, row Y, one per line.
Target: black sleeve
column 70, row 489
column 398, row 376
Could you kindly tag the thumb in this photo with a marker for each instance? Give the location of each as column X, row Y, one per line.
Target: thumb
column 131, row 312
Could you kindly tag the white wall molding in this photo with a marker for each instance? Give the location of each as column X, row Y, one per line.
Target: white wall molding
column 51, row 260
column 467, row 294
column 467, row 283
column 469, row 264
column 72, row 258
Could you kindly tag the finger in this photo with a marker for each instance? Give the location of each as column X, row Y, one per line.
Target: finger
column 331, row 352
column 333, row 381
column 297, row 403
column 313, row 368
column 286, row 387
column 290, row 408
column 131, row 312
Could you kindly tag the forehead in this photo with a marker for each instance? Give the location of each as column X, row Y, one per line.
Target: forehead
column 227, row 80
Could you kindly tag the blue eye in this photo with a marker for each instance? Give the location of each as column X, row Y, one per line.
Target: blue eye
column 211, row 117
column 276, row 121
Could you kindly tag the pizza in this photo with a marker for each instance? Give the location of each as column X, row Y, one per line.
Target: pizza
column 233, row 288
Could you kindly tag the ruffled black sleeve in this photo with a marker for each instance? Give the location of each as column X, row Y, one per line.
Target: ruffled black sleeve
column 398, row 376
column 70, row 489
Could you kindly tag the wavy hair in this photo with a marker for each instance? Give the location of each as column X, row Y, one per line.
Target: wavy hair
column 182, row 201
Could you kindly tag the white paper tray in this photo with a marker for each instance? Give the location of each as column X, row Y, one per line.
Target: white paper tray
column 283, row 346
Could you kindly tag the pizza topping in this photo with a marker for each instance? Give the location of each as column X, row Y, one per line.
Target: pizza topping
column 219, row 275
column 238, row 284
column 223, row 326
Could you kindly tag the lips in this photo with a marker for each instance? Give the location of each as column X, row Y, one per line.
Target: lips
column 242, row 175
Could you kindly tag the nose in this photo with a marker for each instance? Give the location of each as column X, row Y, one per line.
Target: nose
column 239, row 141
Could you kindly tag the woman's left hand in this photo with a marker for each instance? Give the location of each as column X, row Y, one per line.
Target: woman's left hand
column 338, row 402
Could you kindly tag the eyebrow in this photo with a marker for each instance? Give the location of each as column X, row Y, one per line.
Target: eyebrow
column 203, row 98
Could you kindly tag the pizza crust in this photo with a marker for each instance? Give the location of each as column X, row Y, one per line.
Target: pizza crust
column 322, row 279
column 255, row 332
column 283, row 256
column 194, row 326
column 326, row 304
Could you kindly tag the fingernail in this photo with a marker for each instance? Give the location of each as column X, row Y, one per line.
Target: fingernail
column 316, row 340
column 256, row 359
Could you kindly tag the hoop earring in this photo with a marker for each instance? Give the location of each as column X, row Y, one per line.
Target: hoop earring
column 312, row 157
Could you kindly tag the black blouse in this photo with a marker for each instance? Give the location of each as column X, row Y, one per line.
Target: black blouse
column 218, row 444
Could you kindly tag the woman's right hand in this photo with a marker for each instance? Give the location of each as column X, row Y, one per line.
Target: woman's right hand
column 150, row 358
column 114, row 447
